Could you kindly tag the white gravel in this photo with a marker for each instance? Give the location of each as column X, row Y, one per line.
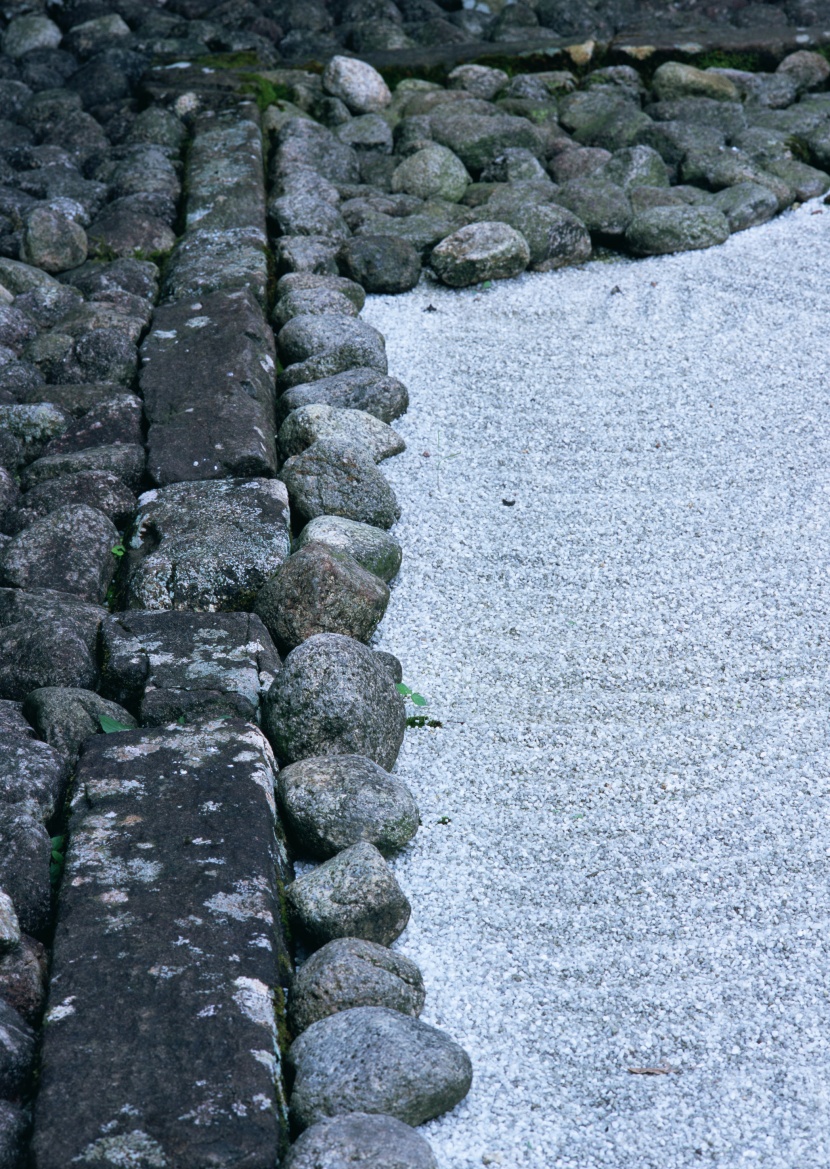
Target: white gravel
column 624, row 854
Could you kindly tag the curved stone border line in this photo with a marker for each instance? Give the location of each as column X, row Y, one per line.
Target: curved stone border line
column 210, row 542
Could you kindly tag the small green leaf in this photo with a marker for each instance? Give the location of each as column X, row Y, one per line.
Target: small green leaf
column 110, row 725
column 418, row 699
column 180, row 720
column 402, row 689
column 57, row 841
column 118, row 549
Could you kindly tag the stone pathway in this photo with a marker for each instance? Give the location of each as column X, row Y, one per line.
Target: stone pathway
column 614, row 595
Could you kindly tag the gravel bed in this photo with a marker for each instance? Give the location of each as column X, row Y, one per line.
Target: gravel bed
column 614, row 595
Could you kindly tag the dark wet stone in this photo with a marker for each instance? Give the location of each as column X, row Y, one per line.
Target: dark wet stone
column 21, row 381
column 13, row 1131
column 371, row 1059
column 603, row 206
column 554, row 235
column 168, row 666
column 34, row 779
column 47, row 638
column 301, row 142
column 354, row 389
column 380, row 263
column 745, row 205
column 339, row 1142
column 333, row 697
column 172, row 874
column 206, row 261
column 601, row 117
column 488, row 250
column 676, row 229
column 207, row 546
column 373, row 548
column 12, row 719
column 805, row 181
column 306, row 253
column 315, row 347
column 307, row 214
column 321, row 590
column 115, row 420
column 49, row 305
column 333, row 477
column 94, row 279
column 157, row 127
column 314, row 301
column 208, row 383
column 123, row 230
column 15, row 328
column 70, row 548
column 299, row 282
column 423, row 229
column 478, row 139
column 98, row 489
column 25, row 856
column 64, row 716
column 673, row 140
column 334, row 801
column 636, row 166
column 354, row 895
column 727, row 116
column 351, row 972
column 23, row 981
column 17, row 1051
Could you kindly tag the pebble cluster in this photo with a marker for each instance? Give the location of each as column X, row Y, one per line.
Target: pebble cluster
column 192, row 418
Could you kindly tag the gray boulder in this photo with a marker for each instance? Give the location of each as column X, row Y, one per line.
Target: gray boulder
column 307, row 424
column 334, row 696
column 354, row 389
column 28, row 32
column 208, row 545
column 321, row 590
column 47, row 638
column 334, row 801
column 314, row 301
column 353, row 895
column 296, row 282
column 25, row 856
column 356, row 84
column 17, row 1051
column 578, row 161
column 480, row 251
column 727, row 116
column 341, row 1142
column 809, row 70
column 674, row 80
column 676, row 229
column 99, row 489
column 332, row 477
column 374, row 549
column 432, row 172
column 70, row 548
column 478, row 138
column 371, row 1059
column 302, row 142
column 64, row 716
column 34, row 779
column 53, row 241
column 602, row 117
column 23, row 981
column 603, row 206
column 745, row 205
column 423, row 229
column 479, row 80
column 14, row 1127
column 553, row 234
column 380, row 263
column 636, row 166
column 368, row 132
column 316, row 347
column 9, row 925
column 350, row 972
column 124, row 460
column 314, row 254
column 805, row 181
column 307, row 214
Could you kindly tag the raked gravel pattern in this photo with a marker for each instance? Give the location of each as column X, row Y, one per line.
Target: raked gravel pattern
column 625, row 848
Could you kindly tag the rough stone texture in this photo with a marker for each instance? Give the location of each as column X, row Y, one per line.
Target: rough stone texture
column 34, row 779
column 47, row 638
column 808, row 70
column 353, row 895
column 676, row 229
column 553, row 234
column 23, row 979
column 745, row 205
column 373, row 548
column 351, row 972
column 305, row 143
column 321, row 590
column 208, row 383
column 307, row 424
column 25, row 855
column 306, row 213
column 340, row 1142
column 316, row 301
column 313, row 255
column 674, row 80
column 333, row 477
column 205, row 261
column 597, row 117
column 53, row 241
column 126, row 461
column 603, row 206
column 99, row 489
column 478, row 138
column 112, row 421
column 31, row 31
column 636, row 166
column 354, row 389
column 433, row 172
column 13, row 1128
column 167, row 666
column 226, row 183
column 298, row 282
column 17, row 1050
column 206, row 546
column 371, row 1059
column 70, row 548
column 316, row 347
column 479, row 80
column 33, row 425
column 357, row 84
column 380, row 263
column 480, row 251
column 65, row 716
column 334, row 697
column 334, row 801
column 174, row 827
column 9, row 925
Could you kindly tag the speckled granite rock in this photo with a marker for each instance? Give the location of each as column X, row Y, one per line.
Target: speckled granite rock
column 340, row 1142
column 373, row 548
column 174, row 826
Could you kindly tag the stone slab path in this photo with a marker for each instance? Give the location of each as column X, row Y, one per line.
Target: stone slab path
column 614, row 596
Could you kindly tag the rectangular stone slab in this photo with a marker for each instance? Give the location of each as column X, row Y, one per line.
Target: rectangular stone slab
column 207, row 377
column 170, row 665
column 226, row 180
column 160, row 1042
